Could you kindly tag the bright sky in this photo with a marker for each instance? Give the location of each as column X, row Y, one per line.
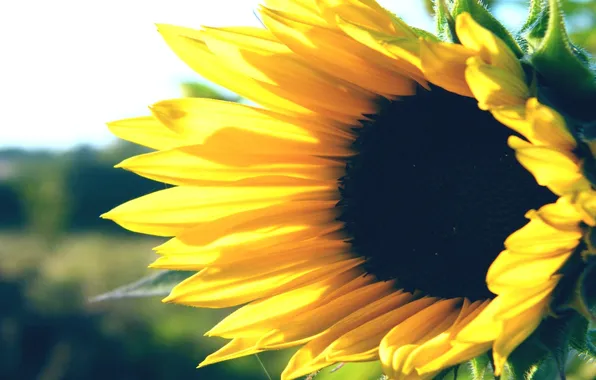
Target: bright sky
column 69, row 66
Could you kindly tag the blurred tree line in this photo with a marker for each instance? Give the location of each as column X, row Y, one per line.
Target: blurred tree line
column 51, row 193
column 71, row 341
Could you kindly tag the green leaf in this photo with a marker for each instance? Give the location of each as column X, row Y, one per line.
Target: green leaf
column 482, row 16
column 159, row 284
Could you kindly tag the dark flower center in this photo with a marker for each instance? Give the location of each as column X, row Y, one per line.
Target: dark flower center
column 433, row 192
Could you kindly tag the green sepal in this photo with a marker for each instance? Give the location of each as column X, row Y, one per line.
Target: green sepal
column 443, row 374
column 456, row 372
column 482, row 16
column 534, row 14
column 528, row 361
column 584, row 301
column 582, row 337
column 445, row 23
column 565, row 293
column 536, row 24
column 555, row 334
column 425, row 34
column 481, row 368
column 564, row 67
column 159, row 284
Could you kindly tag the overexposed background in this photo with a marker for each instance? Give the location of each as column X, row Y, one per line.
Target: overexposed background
column 69, row 66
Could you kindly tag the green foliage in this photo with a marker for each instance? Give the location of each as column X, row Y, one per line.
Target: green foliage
column 93, row 187
column 12, row 206
column 72, row 342
column 52, row 193
column 141, row 337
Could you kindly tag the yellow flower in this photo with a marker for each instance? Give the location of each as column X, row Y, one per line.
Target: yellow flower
column 372, row 206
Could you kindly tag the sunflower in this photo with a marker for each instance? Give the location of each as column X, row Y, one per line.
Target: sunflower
column 393, row 196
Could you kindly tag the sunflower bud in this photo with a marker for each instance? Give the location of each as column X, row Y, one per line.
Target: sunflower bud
column 563, row 68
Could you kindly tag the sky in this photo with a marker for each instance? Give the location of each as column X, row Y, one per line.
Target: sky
column 69, row 66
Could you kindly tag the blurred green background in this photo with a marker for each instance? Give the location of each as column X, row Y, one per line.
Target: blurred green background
column 56, row 253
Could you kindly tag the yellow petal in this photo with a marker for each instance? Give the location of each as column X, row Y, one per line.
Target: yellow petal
column 232, row 247
column 309, row 219
column 515, row 331
column 537, row 123
column 337, row 54
column 362, row 343
column 239, row 144
column 524, row 241
column 307, row 9
column 552, row 168
column 290, row 76
column 234, row 285
column 403, row 52
column 515, row 302
column 549, row 126
column 218, row 114
column 168, row 212
column 563, row 214
column 371, row 25
column 268, row 314
column 443, row 351
column 424, row 324
column 586, row 200
column 309, row 359
column 146, row 131
column 189, row 47
column 181, row 167
column 197, row 119
column 246, row 254
column 234, row 349
column 366, row 13
column 493, row 86
column 489, row 324
column 491, row 49
column 510, row 272
column 308, row 325
column 444, row 64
